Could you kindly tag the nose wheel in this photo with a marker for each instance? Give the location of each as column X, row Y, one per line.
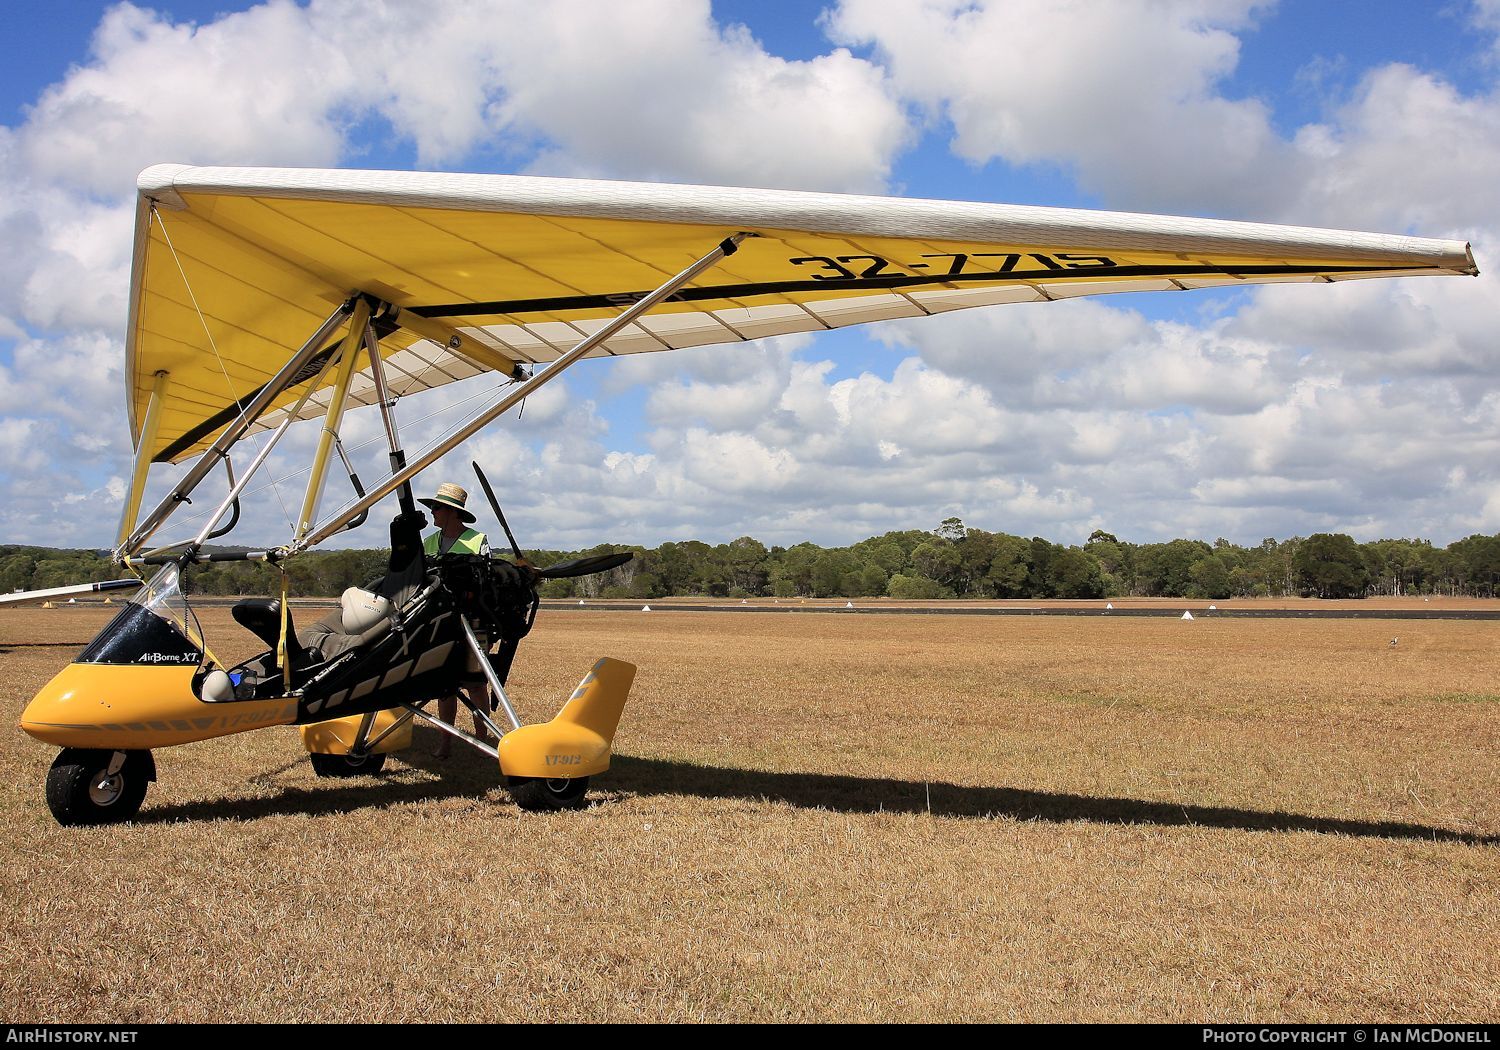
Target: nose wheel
column 98, row 787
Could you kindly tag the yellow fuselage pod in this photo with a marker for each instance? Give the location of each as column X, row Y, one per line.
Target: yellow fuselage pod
column 577, row 742
column 337, row 735
column 127, row 707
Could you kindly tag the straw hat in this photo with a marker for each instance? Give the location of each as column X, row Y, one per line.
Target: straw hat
column 452, row 497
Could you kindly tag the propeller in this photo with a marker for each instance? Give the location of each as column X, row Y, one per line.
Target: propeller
column 584, row 566
column 563, row 569
column 489, row 494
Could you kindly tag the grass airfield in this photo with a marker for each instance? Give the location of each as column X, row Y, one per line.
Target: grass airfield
column 816, row 818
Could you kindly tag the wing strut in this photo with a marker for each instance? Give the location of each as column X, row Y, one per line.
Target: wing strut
column 233, row 432
column 388, row 416
column 348, row 357
column 402, row 477
column 143, row 448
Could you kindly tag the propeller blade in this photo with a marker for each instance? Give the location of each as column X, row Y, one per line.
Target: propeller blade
column 64, row 592
column 489, row 493
column 584, row 566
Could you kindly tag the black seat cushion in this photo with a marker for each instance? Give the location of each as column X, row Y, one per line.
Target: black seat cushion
column 262, row 618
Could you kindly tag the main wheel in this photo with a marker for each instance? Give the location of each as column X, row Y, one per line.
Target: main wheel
column 81, row 790
column 346, row 765
column 542, row 794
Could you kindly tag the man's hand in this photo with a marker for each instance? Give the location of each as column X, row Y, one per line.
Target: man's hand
column 406, row 539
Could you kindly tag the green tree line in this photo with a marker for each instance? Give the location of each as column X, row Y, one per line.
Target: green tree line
column 951, row 561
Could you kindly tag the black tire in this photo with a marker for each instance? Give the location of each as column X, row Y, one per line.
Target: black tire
column 346, row 765
column 541, row 795
column 80, row 793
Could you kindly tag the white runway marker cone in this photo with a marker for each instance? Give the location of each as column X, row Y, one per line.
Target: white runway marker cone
column 1187, row 615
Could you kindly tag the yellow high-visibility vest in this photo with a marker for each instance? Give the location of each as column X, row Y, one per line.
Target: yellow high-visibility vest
column 470, row 542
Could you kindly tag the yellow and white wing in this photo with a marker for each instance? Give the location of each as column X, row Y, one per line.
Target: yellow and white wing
column 235, row 267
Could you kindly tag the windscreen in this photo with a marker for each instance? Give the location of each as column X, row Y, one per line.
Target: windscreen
column 156, row 628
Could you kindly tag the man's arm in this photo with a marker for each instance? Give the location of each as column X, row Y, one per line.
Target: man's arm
column 406, row 540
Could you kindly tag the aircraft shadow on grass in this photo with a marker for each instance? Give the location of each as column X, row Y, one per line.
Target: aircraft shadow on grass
column 468, row 773
column 852, row 794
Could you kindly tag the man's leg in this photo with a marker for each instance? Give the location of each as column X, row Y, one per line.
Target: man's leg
column 448, row 711
column 478, row 691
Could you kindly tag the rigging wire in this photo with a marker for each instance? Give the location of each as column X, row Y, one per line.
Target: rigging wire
column 487, row 392
column 439, row 438
column 228, row 383
column 377, row 439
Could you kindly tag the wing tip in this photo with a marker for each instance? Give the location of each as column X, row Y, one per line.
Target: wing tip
column 158, row 183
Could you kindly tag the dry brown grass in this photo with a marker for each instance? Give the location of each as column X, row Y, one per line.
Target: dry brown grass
column 811, row 818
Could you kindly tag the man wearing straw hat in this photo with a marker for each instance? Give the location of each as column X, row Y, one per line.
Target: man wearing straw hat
column 455, row 537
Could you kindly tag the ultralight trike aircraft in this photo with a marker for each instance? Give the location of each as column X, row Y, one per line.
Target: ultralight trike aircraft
column 260, row 297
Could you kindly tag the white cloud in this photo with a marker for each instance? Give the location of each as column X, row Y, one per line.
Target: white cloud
column 252, row 87
column 734, row 463
column 1373, row 331
column 1089, row 356
column 1407, row 152
column 21, row 447
column 828, row 465
column 656, row 90
column 1123, row 93
column 1130, row 97
column 659, row 91
column 78, row 377
column 729, row 387
column 1017, row 352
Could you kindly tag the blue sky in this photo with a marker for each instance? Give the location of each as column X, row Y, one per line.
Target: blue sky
column 1283, row 411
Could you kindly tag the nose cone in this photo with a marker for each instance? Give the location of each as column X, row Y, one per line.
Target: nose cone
column 130, row 707
column 114, row 706
column 52, row 714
